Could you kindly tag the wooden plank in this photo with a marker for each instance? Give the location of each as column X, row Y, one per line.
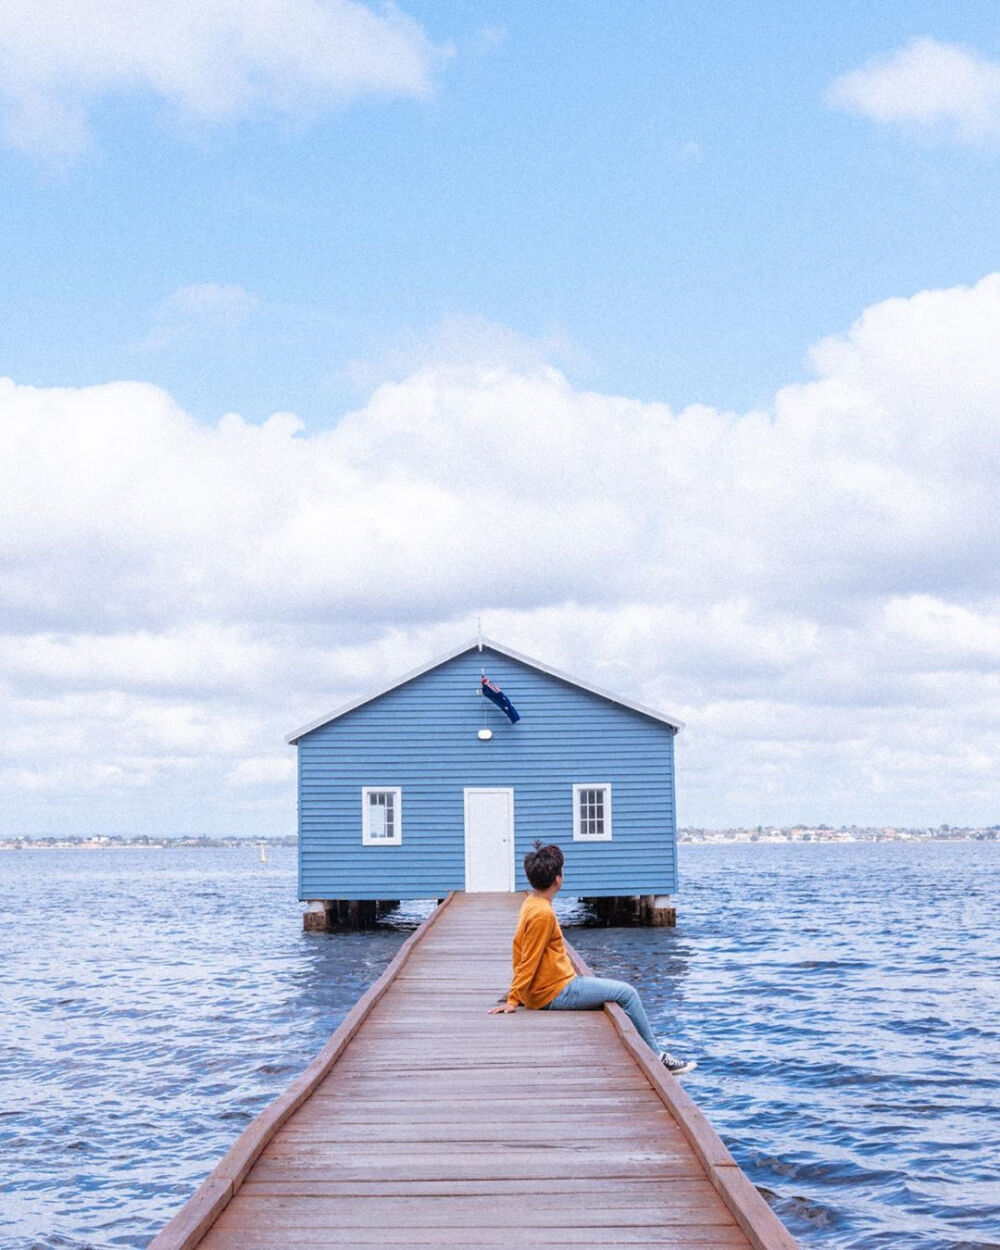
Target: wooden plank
column 573, row 1132
column 317, row 1183
column 336, row 1104
column 532, row 1082
column 622, row 1153
column 478, row 1160
column 713, row 1238
column 696, row 1205
column 520, row 1166
column 334, row 1114
column 506, row 1087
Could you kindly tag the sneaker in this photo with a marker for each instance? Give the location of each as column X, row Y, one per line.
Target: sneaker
column 677, row 1067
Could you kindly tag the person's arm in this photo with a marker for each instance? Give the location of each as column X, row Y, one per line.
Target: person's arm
column 534, row 939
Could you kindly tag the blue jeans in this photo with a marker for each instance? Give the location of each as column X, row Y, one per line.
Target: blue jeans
column 590, row 993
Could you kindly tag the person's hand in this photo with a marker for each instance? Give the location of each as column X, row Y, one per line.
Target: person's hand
column 502, row 1009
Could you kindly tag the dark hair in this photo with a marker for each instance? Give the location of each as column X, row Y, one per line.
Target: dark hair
column 543, row 865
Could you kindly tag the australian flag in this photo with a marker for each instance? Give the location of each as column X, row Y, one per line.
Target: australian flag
column 497, row 696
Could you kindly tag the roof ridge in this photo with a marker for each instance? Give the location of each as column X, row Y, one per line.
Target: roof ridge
column 480, row 643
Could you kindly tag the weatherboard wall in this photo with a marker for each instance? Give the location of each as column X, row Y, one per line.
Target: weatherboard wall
column 422, row 737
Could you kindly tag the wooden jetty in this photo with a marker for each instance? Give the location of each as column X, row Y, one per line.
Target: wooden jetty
column 425, row 1121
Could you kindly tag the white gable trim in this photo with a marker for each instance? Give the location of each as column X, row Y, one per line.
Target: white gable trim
column 486, row 644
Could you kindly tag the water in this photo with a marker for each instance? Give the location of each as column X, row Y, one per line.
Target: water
column 841, row 1001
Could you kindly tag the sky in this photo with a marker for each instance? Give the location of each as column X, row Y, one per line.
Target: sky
column 662, row 338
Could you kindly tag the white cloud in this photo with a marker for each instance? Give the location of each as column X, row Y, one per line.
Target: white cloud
column 214, row 62
column 197, row 309
column 926, row 84
column 472, row 343
column 262, row 770
column 813, row 588
column 937, row 633
column 210, row 299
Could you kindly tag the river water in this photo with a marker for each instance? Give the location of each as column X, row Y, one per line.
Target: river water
column 842, row 1002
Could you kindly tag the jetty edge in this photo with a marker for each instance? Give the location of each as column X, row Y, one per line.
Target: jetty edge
column 446, row 1145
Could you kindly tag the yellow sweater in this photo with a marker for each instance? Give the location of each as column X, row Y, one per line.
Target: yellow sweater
column 541, row 966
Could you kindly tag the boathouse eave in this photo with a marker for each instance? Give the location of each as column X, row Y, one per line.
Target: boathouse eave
column 487, row 645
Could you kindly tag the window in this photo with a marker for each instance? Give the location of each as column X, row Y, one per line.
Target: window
column 592, row 813
column 381, row 817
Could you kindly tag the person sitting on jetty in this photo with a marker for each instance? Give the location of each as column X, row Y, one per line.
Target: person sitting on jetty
column 543, row 975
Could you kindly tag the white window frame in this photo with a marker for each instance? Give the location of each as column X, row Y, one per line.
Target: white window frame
column 367, row 838
column 578, row 834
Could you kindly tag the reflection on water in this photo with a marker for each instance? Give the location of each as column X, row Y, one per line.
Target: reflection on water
column 839, row 1001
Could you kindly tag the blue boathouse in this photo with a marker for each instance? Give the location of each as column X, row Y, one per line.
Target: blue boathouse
column 426, row 786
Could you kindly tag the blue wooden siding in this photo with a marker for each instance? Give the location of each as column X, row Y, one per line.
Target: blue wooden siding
column 422, row 738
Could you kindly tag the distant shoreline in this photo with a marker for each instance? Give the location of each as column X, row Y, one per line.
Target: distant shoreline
column 733, row 837
column 985, row 835
column 164, row 844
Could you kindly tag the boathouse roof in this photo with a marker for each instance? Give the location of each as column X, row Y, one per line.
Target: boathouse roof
column 485, row 644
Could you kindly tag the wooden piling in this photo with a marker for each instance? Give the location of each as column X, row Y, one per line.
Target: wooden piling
column 324, row 914
column 634, row 909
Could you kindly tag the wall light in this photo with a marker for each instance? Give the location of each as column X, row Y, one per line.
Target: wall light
column 485, row 735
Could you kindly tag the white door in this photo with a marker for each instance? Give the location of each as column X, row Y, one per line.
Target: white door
column 489, row 839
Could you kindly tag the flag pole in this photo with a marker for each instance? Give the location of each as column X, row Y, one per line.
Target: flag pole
column 482, row 671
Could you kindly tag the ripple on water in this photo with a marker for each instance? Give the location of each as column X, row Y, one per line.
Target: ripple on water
column 841, row 1002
